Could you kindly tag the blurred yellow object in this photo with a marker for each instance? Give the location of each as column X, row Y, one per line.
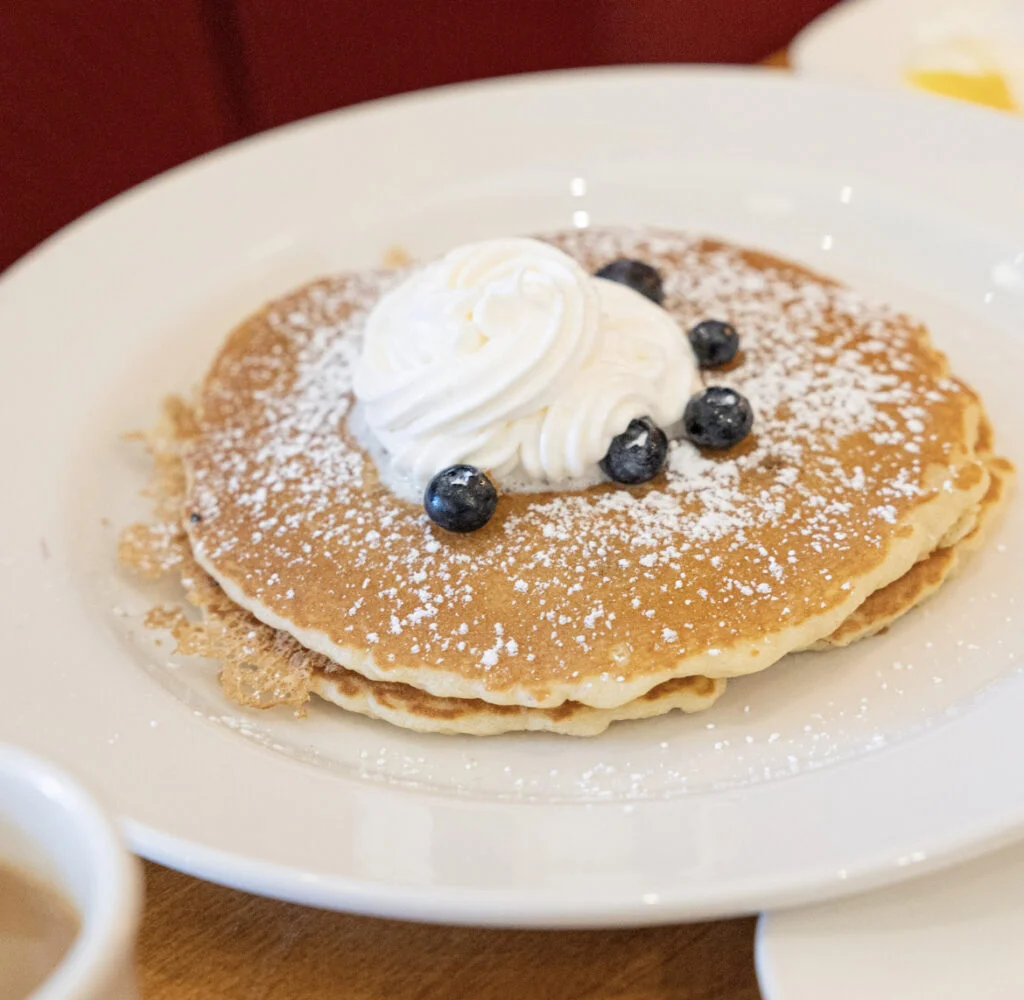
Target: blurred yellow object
column 982, row 88
column 972, row 50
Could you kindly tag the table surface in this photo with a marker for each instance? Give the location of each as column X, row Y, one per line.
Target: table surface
column 204, row 942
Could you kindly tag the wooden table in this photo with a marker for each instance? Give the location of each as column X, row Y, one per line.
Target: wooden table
column 204, row 942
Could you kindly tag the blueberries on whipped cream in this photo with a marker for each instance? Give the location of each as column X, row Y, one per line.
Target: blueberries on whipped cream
column 460, row 498
column 714, row 342
column 634, row 274
column 718, row 418
column 506, row 356
column 637, row 454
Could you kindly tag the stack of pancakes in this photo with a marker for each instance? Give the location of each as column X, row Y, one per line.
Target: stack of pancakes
column 868, row 475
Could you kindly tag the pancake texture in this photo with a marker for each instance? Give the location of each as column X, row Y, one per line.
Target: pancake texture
column 262, row 667
column 925, row 577
column 861, row 463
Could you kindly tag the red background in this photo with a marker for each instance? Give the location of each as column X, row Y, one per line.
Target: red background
column 98, row 95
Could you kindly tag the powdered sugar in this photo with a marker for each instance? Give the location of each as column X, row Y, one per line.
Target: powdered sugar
column 835, row 382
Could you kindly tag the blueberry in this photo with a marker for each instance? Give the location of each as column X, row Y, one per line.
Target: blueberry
column 637, row 454
column 637, row 275
column 460, row 498
column 715, row 343
column 717, row 418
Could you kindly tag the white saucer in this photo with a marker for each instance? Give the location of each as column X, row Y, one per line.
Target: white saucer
column 953, row 935
column 874, row 42
column 828, row 773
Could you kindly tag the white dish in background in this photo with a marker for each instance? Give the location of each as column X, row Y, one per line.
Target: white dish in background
column 875, row 42
column 952, row 935
column 827, row 773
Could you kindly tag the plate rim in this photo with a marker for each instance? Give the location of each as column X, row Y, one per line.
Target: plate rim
column 464, row 906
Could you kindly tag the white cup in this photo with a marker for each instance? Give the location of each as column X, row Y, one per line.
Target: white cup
column 51, row 828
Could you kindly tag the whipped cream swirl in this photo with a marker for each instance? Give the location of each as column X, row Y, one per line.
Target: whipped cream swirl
column 508, row 356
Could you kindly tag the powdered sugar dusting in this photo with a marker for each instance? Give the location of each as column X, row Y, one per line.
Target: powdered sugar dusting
column 851, row 409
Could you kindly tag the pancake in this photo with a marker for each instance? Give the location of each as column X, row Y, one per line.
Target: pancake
column 925, row 578
column 257, row 659
column 861, row 462
column 413, row 709
column 262, row 667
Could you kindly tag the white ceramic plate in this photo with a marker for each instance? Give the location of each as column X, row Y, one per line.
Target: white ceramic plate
column 874, row 41
column 953, row 935
column 825, row 774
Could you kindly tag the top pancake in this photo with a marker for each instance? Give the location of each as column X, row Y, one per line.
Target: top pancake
column 861, row 459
